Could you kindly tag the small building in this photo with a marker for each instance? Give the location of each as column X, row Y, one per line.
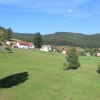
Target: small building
column 46, row 48
column 15, row 43
column 98, row 54
column 64, row 50
column 31, row 45
column 22, row 44
column 12, row 41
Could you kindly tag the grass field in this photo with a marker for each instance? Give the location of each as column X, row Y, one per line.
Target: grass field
column 47, row 80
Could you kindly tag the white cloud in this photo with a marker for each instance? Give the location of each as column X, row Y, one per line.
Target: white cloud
column 70, row 10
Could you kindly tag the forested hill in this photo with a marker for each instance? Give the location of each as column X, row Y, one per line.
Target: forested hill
column 23, row 36
column 76, row 39
column 65, row 38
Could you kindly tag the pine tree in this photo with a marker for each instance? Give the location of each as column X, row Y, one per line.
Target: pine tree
column 37, row 40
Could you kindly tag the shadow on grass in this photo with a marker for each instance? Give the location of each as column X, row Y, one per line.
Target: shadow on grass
column 13, row 80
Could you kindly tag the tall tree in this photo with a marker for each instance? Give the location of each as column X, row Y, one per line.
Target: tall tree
column 37, row 40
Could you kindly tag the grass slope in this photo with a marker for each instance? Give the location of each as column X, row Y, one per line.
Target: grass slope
column 47, row 80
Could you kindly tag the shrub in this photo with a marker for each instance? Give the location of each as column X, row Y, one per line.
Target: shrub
column 8, row 49
column 72, row 58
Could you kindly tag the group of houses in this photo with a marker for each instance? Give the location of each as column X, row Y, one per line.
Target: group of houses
column 15, row 43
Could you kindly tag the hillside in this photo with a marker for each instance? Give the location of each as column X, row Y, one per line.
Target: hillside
column 76, row 39
column 23, row 36
column 65, row 38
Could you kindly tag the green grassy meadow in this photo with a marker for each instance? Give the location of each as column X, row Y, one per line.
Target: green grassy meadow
column 47, row 80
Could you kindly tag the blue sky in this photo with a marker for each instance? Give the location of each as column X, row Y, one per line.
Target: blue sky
column 49, row 16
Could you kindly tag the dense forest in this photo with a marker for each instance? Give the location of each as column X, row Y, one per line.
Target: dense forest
column 65, row 39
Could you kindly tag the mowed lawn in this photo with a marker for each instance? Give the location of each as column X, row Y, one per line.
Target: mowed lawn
column 47, row 80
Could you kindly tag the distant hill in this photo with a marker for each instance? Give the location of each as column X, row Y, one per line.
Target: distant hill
column 23, row 36
column 65, row 38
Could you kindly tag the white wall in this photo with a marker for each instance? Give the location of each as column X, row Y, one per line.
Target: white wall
column 21, row 46
column 32, row 47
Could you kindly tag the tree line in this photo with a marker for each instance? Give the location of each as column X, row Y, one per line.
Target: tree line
column 58, row 38
column 65, row 39
column 73, row 39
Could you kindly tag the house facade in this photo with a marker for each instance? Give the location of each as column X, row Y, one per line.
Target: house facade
column 22, row 44
column 46, row 48
column 98, row 54
column 25, row 45
column 31, row 45
column 12, row 42
column 15, row 43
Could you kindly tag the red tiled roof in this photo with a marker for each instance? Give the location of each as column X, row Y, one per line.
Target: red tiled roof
column 23, row 43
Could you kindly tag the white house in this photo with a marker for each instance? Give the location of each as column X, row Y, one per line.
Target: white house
column 46, row 48
column 64, row 50
column 22, row 44
column 31, row 45
column 12, row 41
column 25, row 45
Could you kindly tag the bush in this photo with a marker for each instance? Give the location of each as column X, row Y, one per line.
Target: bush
column 72, row 59
column 8, row 49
